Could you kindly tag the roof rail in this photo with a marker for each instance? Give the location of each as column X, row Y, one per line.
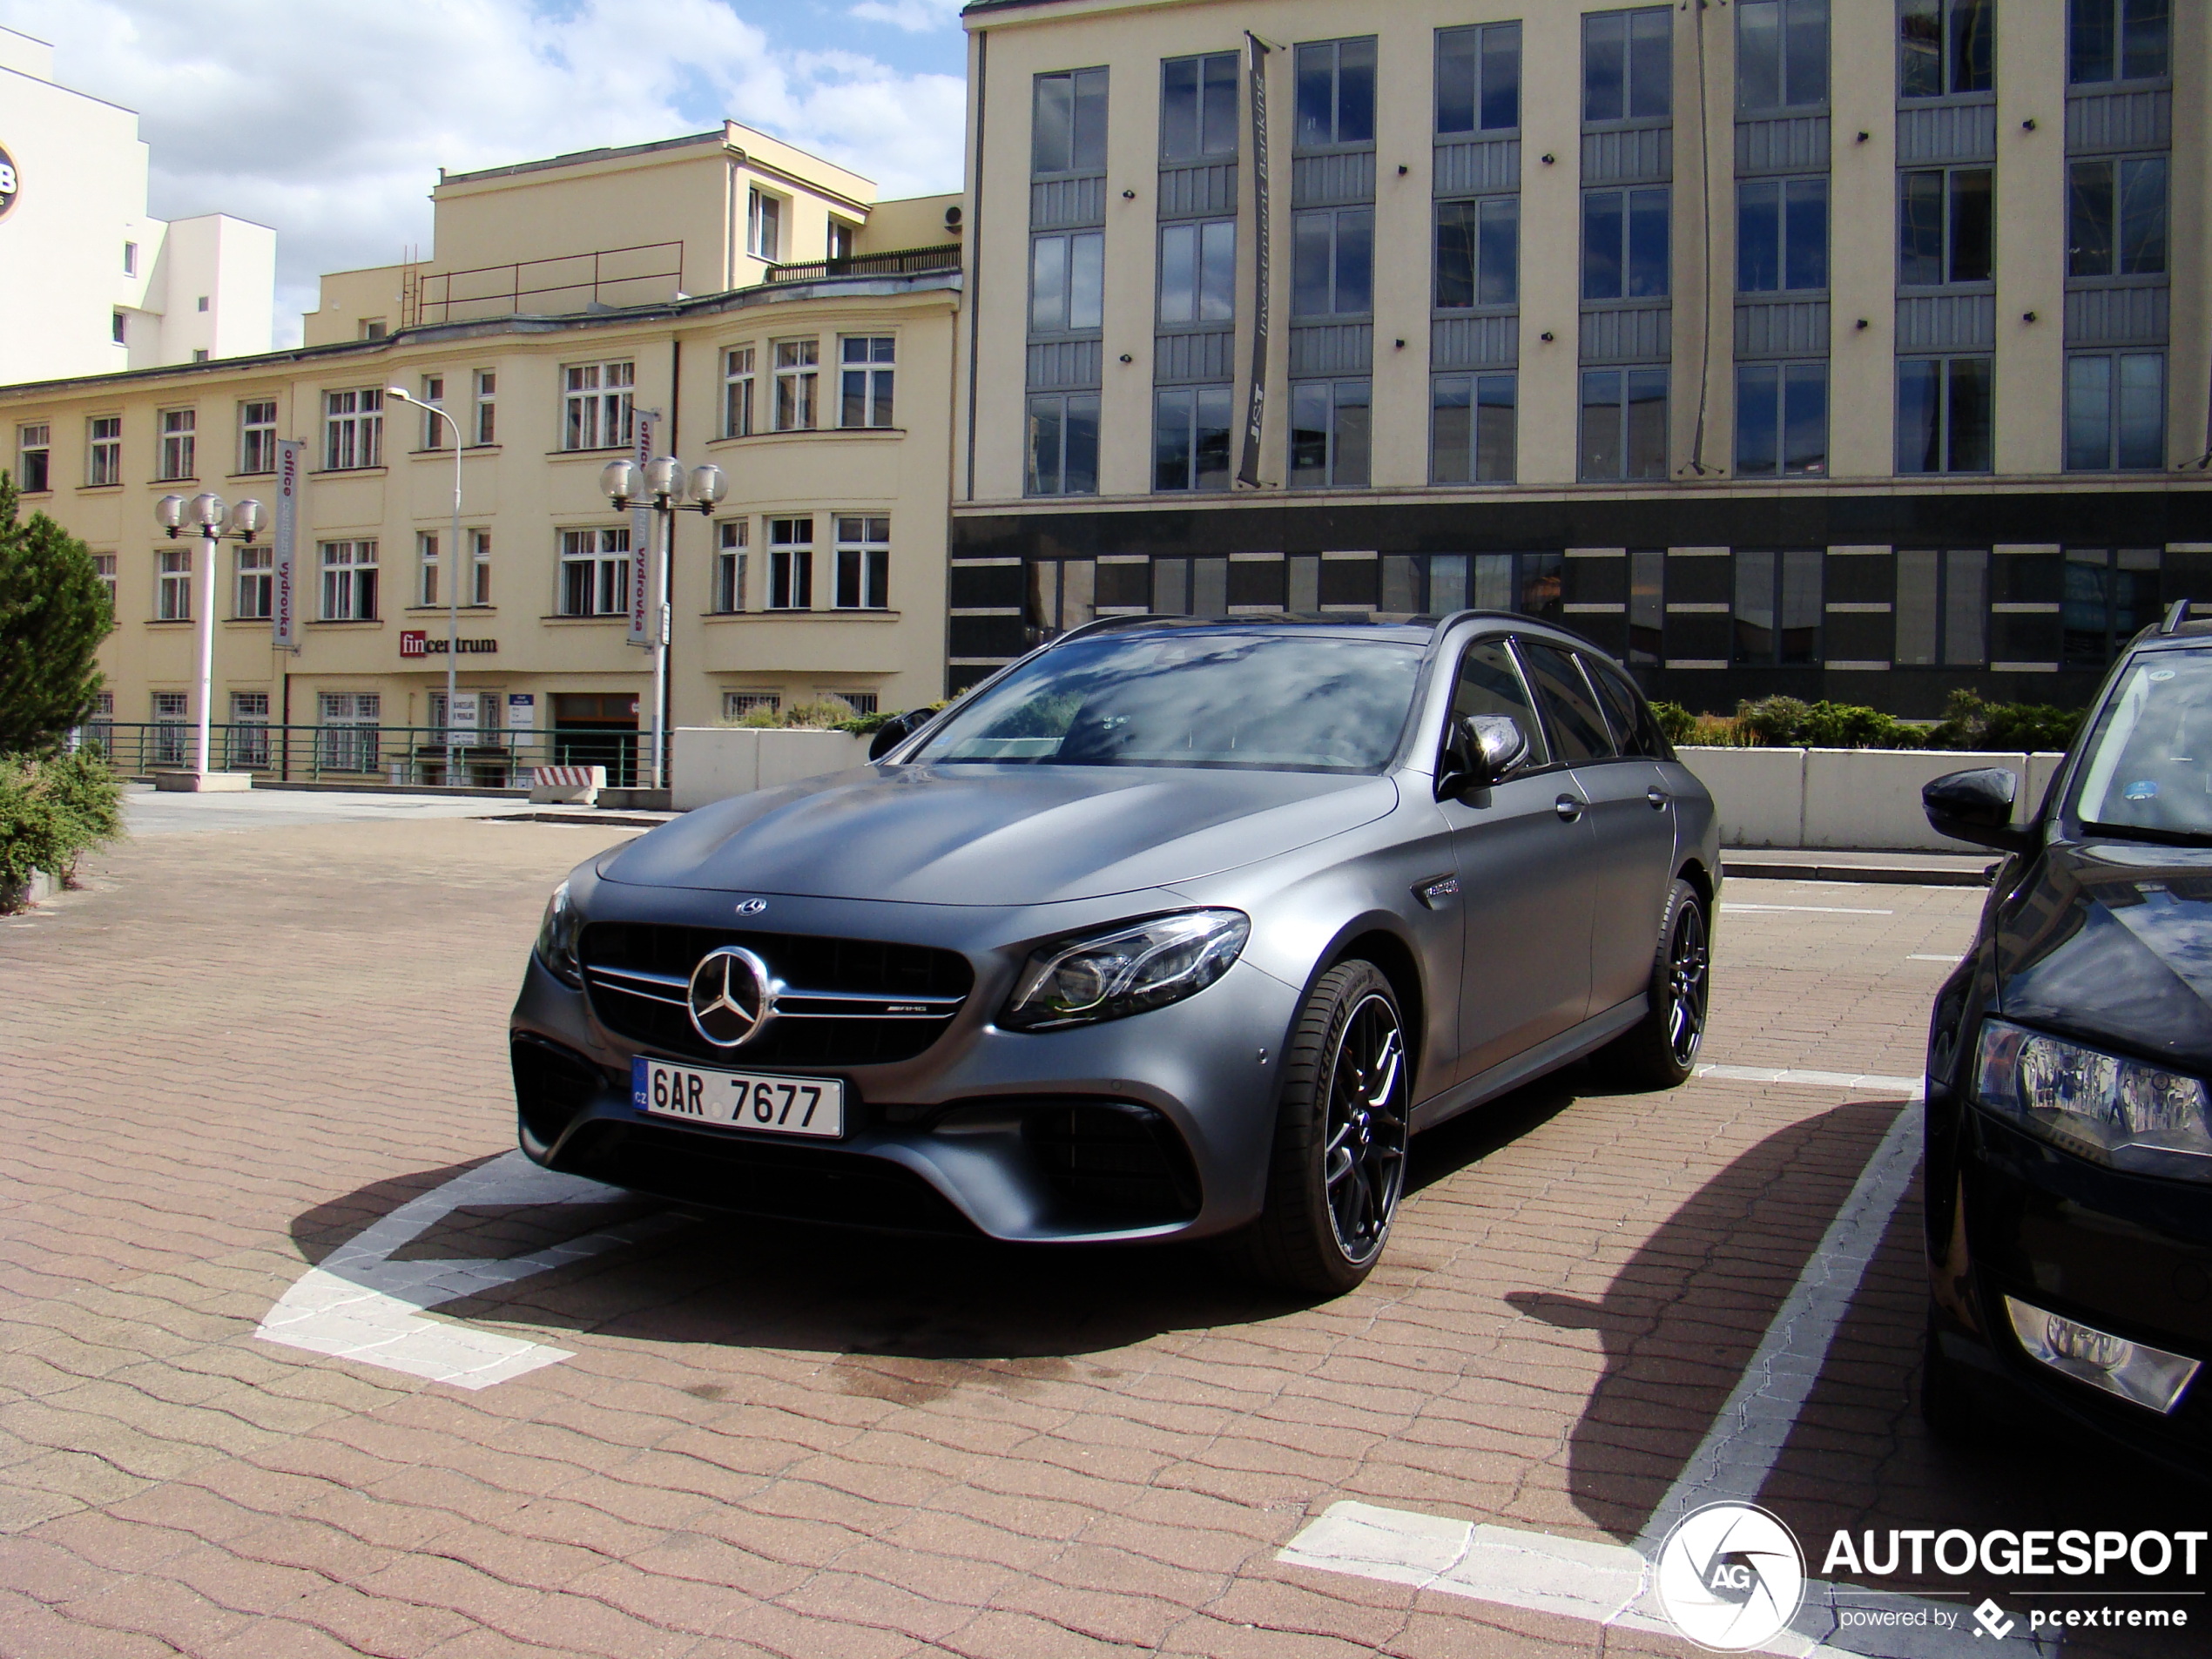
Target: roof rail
column 2175, row 617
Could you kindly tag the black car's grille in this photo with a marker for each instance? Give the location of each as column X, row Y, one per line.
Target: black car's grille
column 636, row 972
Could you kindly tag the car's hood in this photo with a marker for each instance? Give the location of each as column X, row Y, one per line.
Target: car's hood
column 2114, row 940
column 997, row 835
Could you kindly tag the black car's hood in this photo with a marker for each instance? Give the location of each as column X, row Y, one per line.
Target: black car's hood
column 997, row 834
column 2114, row 940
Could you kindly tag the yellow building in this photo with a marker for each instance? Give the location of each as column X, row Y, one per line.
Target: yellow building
column 755, row 303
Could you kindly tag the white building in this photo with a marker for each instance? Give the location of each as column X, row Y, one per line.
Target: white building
column 89, row 283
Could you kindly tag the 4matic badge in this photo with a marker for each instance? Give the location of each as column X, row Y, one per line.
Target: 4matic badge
column 1730, row 1576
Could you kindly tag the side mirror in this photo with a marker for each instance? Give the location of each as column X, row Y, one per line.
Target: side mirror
column 1481, row 749
column 1977, row 806
column 896, row 729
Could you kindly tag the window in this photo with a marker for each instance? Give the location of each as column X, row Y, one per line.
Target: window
column 1647, row 602
column 349, row 581
column 1781, row 419
column 1198, row 272
column 374, row 328
column 867, row 374
column 1197, row 108
column 1062, row 444
column 2115, row 217
column 863, row 564
column 1781, row 55
column 764, row 225
column 790, row 563
column 736, row 392
column 426, row 555
column 203, row 302
column 738, row 704
column 257, row 438
column 103, row 450
column 1946, row 408
column 249, row 733
column 1489, row 683
column 1943, row 226
column 171, row 740
column 101, row 728
column 1942, row 607
column 840, row 240
column 116, row 328
column 104, row 567
column 34, row 453
column 1068, row 133
column 172, row 584
column 858, row 702
column 2123, row 40
column 1628, row 65
column 1478, row 252
column 480, row 566
column 349, row 739
column 428, row 547
column 1780, row 234
column 353, row 429
column 1945, row 46
column 487, row 400
column 256, row 584
column 179, row 444
column 1471, row 430
column 1332, row 262
column 596, row 404
column 434, row 393
column 1624, row 423
column 1777, row 607
column 129, row 259
column 1335, row 93
column 797, row 374
column 199, row 354
column 1578, row 728
column 1191, row 427
column 1478, row 79
column 1624, row 244
column 595, row 571
column 1067, row 282
column 2109, row 594
column 2115, row 412
column 1330, row 435
column 729, row 564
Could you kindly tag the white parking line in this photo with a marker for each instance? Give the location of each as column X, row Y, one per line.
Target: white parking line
column 1816, row 909
column 1930, row 956
column 1904, row 1087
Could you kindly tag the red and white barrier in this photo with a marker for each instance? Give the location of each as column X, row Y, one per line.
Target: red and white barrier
column 567, row 785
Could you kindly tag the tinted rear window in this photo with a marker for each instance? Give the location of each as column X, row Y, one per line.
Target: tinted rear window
column 1579, row 731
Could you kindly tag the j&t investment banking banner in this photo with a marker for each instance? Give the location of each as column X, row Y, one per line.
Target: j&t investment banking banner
column 284, row 603
column 1256, row 409
column 641, row 540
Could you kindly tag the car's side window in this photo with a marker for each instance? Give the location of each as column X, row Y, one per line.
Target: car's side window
column 1631, row 717
column 1578, row 731
column 1490, row 684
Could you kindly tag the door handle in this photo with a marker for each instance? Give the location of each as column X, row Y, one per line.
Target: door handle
column 1658, row 797
column 1570, row 808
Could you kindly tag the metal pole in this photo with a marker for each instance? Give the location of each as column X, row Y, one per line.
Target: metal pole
column 660, row 635
column 208, row 543
column 455, row 563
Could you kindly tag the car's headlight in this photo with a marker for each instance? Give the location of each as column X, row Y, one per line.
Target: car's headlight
column 1139, row 966
column 2099, row 1106
column 556, row 936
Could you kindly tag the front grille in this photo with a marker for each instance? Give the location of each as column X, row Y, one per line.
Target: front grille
column 636, row 972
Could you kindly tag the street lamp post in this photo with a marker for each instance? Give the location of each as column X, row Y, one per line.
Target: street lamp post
column 211, row 520
column 666, row 482
column 454, row 561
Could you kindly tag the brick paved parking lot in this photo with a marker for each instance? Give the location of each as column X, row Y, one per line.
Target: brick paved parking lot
column 244, row 1049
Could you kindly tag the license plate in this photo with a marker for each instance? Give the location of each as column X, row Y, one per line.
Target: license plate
column 739, row 1099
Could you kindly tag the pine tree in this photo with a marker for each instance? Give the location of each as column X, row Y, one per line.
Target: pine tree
column 54, row 612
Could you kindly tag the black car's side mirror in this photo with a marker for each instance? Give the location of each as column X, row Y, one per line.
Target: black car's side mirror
column 896, row 729
column 1480, row 750
column 1977, row 806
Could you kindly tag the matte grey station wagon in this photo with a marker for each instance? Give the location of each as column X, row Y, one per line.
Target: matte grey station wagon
column 1172, row 929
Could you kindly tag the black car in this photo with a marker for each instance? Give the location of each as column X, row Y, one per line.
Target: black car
column 2069, row 1132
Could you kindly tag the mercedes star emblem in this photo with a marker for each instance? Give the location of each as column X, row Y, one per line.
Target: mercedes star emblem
column 732, row 995
column 752, row 907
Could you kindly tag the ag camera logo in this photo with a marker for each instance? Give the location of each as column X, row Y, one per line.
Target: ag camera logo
column 1730, row 1576
column 10, row 181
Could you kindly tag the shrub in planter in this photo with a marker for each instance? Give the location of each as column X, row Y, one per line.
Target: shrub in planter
column 1970, row 723
column 51, row 813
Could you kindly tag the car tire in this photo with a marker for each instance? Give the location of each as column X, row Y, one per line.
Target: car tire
column 1338, row 1168
column 1659, row 1051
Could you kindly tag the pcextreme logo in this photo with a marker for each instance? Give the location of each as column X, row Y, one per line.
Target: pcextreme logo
column 1730, row 1576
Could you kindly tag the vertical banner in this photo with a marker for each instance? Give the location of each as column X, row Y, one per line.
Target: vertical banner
column 1256, row 408
column 284, row 605
column 641, row 540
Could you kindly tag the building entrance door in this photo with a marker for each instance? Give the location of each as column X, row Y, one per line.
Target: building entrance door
column 597, row 728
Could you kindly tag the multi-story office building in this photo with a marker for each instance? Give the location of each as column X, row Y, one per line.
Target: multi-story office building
column 1849, row 351
column 821, row 389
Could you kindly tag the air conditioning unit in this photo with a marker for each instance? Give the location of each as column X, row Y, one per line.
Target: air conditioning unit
column 953, row 217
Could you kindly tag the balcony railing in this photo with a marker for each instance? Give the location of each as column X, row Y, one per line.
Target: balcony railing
column 650, row 273
column 374, row 754
column 908, row 261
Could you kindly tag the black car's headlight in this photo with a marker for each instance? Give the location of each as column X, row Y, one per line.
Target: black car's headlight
column 1132, row 967
column 556, row 936
column 2098, row 1106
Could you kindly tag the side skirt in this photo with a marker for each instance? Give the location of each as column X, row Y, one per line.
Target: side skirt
column 1568, row 1047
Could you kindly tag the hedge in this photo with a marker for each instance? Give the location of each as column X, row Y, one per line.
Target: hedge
column 1785, row 722
column 52, row 811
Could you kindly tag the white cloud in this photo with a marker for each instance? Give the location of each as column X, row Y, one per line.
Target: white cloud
column 916, row 16
column 329, row 120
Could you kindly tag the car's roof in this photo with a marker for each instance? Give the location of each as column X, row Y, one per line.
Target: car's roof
column 1416, row 629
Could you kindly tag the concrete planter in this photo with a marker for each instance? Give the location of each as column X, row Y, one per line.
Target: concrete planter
column 713, row 763
column 1864, row 800
column 14, row 897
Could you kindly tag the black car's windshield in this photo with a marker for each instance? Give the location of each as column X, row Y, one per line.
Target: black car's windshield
column 2146, row 769
column 1193, row 698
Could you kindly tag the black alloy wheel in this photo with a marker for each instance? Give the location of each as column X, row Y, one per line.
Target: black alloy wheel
column 1363, row 1161
column 1687, row 964
column 1660, row 1050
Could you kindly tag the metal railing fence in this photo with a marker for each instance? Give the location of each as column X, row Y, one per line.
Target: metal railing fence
column 372, row 753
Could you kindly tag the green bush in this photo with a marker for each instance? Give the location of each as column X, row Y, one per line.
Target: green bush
column 1970, row 723
column 52, row 811
column 54, row 613
column 1787, row 722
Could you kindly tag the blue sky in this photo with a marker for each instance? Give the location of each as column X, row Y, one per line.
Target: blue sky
column 328, row 119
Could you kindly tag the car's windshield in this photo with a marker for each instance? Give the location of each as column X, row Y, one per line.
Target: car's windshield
column 1193, row 697
column 2147, row 767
